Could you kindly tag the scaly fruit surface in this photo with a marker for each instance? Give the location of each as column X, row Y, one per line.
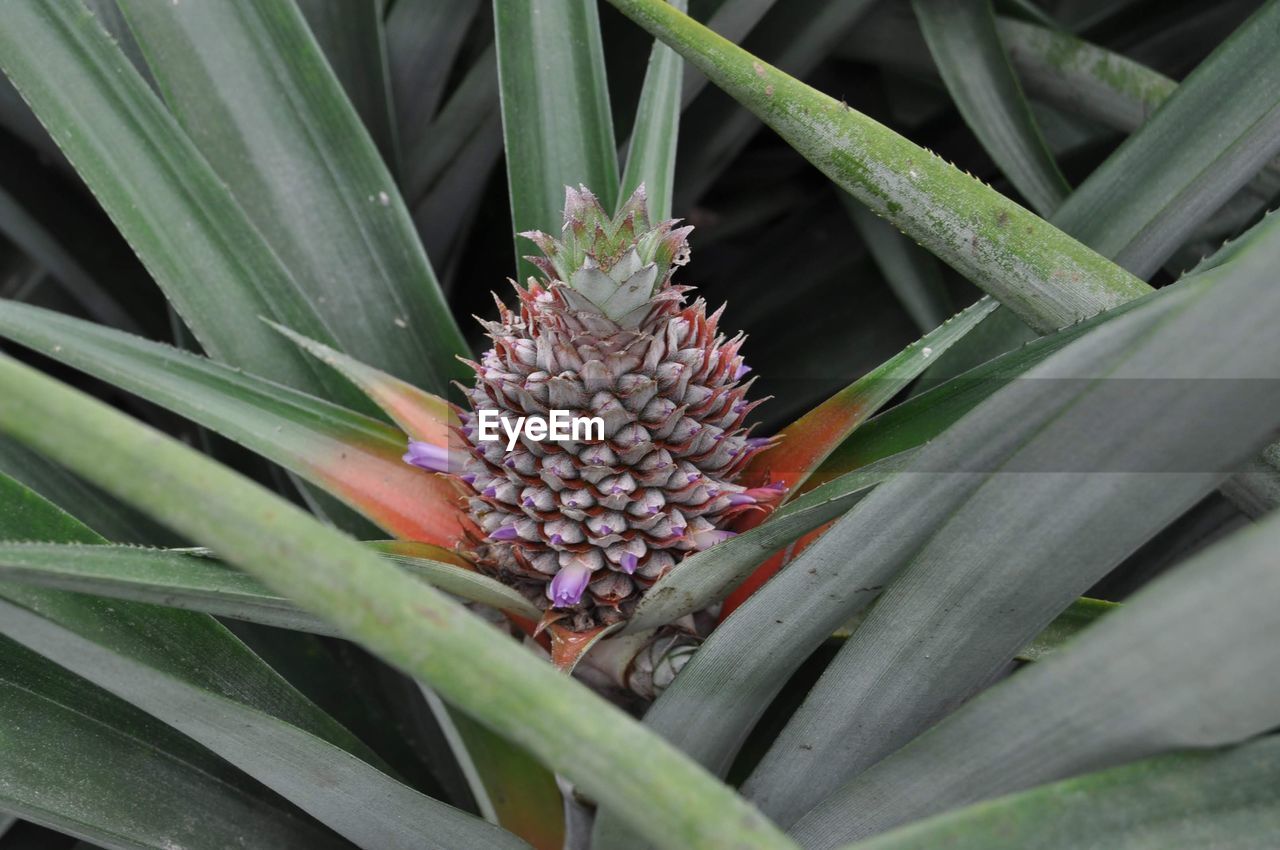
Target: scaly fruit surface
column 585, row 527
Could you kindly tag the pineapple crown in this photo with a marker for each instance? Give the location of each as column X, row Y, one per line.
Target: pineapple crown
column 615, row 263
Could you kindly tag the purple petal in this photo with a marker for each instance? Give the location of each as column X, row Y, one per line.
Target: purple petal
column 741, row 371
column 741, row 499
column 504, row 532
column 678, row 531
column 566, row 588
column 489, row 492
column 470, row 477
column 528, row 502
column 427, row 456
column 629, row 563
column 605, row 530
column 556, row 540
column 758, row 442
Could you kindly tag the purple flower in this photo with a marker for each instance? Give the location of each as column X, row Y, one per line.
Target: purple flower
column 566, row 588
column 504, row 532
column 741, row 371
column 758, row 442
column 629, row 563
column 742, row 499
column 427, row 456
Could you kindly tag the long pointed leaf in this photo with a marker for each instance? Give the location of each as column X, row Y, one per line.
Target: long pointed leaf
column 1045, row 276
column 195, row 581
column 251, row 88
column 355, row 458
column 1192, row 661
column 129, row 781
column 556, row 122
column 962, row 38
column 651, row 159
column 1226, row 799
column 195, row 240
column 662, row 793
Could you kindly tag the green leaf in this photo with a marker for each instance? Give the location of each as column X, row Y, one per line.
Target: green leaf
column 1045, row 276
column 198, row 244
column 796, row 38
column 353, row 41
column 423, row 41
column 351, row 456
column 718, row 696
column 911, row 272
column 1192, row 155
column 1224, row 799
column 1191, row 661
column 651, row 159
column 556, row 122
column 472, row 106
column 128, row 781
column 733, row 19
column 511, row 787
column 962, row 39
column 193, row 580
column 185, row 669
column 251, row 88
column 1011, row 551
column 501, row 684
column 98, row 510
column 709, row 576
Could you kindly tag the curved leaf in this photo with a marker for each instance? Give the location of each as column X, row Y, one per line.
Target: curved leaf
column 177, row 794
column 1013, row 550
column 707, row 577
column 1192, row 155
column 251, row 88
column 1045, row 276
column 351, row 456
column 195, row 581
column 596, row 745
column 1191, row 661
column 962, row 38
column 1227, row 799
column 204, row 252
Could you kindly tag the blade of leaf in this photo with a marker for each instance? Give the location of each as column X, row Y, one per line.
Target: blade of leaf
column 1012, row 551
column 962, row 39
column 911, row 272
column 512, row 788
column 353, row 41
column 572, row 731
column 198, row 244
column 471, row 107
column 796, row 36
column 177, row 794
column 423, row 40
column 1191, row 661
column 1048, row 278
column 193, row 580
column 100, row 511
column 719, row 694
column 355, row 458
column 709, row 576
column 420, row 414
column 651, row 159
column 556, row 122
column 185, row 669
column 807, row 442
column 251, row 88
column 733, row 19
column 1190, row 157
column 1223, row 799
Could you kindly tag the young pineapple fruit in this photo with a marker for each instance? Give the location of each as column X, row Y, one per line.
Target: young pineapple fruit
column 584, row 528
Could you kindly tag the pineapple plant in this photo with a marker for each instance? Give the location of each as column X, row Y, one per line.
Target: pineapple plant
column 978, row 552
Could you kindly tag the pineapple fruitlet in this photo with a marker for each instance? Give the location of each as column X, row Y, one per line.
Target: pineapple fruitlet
column 584, row 527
